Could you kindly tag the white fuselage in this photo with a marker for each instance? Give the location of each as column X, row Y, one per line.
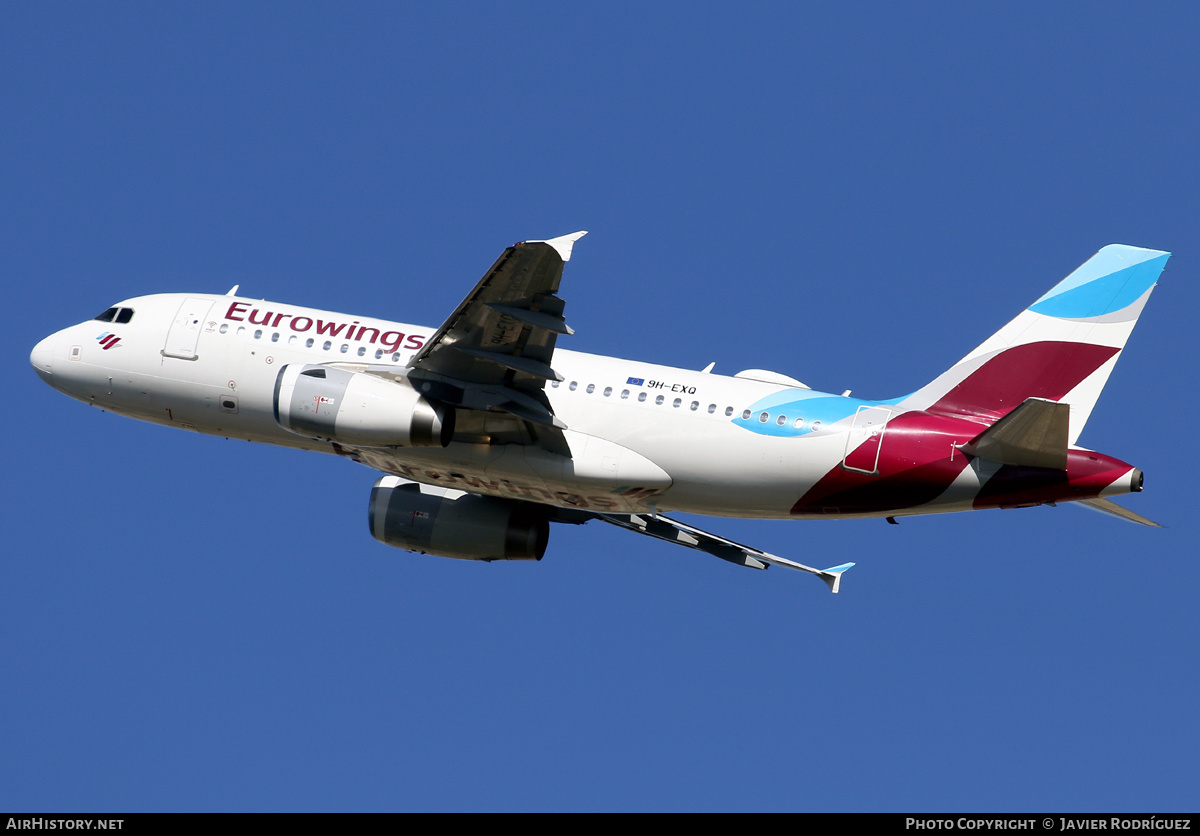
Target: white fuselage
column 488, row 431
column 210, row 363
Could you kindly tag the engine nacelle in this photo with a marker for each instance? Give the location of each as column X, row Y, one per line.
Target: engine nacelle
column 447, row 523
column 358, row 409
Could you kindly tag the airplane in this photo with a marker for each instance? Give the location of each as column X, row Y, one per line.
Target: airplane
column 486, row 432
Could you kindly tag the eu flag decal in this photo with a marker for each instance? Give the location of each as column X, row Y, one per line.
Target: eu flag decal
column 635, row 381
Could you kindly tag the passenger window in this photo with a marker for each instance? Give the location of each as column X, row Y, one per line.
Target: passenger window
column 798, row 423
column 574, row 385
column 677, row 402
column 224, row 327
column 659, row 400
column 345, row 347
column 712, row 407
column 816, row 425
column 241, row 330
column 728, row 411
column 607, row 391
column 275, row 337
column 762, row 417
column 258, row 334
column 328, row 345
column 396, row 357
column 624, row 394
column 746, row 415
column 695, row 405
column 641, row 397
column 591, row 388
column 378, row 353
column 362, row 351
column 292, row 339
column 781, row 420
column 308, row 343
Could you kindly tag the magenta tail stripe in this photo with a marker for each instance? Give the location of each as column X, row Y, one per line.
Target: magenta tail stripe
column 1035, row 370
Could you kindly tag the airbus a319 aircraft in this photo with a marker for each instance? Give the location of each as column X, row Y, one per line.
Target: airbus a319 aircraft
column 487, row 432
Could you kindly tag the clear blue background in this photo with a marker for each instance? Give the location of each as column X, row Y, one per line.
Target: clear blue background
column 854, row 196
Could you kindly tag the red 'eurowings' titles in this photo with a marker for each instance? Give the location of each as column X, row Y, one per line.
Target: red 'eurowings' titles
column 391, row 340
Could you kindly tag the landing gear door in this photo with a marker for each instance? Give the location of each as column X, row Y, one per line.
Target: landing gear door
column 865, row 439
column 185, row 330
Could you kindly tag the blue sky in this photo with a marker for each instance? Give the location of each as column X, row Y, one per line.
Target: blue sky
column 855, row 197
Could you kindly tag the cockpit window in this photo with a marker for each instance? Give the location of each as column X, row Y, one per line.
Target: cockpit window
column 118, row 315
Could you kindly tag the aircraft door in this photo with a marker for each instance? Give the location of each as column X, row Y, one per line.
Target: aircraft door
column 185, row 330
column 865, row 439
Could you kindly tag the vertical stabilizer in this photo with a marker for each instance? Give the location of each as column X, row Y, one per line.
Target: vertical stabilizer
column 1061, row 348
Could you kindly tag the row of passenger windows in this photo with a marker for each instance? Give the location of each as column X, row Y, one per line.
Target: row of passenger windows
column 659, row 400
column 310, row 342
column 694, row 406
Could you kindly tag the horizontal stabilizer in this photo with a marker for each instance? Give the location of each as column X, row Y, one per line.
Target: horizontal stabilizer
column 1032, row 435
column 1107, row 506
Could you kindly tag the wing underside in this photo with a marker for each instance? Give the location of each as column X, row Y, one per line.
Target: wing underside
column 673, row 531
column 492, row 356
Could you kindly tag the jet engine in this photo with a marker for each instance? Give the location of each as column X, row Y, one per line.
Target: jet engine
column 358, row 409
column 422, row 518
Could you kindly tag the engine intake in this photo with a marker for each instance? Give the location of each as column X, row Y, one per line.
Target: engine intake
column 358, row 409
column 422, row 518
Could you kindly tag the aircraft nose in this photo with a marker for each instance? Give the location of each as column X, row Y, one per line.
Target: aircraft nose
column 42, row 357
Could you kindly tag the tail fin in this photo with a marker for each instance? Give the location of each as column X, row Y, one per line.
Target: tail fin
column 1061, row 348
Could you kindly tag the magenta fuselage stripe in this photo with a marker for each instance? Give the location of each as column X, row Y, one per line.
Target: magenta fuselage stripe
column 915, row 466
column 919, row 459
column 1087, row 474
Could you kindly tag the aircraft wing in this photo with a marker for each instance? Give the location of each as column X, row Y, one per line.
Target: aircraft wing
column 682, row 534
column 494, row 351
